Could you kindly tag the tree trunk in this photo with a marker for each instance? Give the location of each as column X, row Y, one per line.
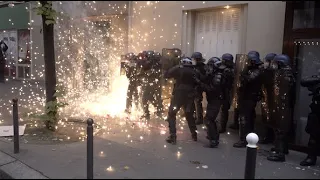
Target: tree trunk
column 49, row 62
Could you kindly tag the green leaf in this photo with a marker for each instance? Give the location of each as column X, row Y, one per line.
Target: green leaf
column 48, row 6
column 39, row 11
column 48, row 22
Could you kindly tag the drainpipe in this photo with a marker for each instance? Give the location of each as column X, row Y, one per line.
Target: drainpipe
column 31, row 45
column 129, row 25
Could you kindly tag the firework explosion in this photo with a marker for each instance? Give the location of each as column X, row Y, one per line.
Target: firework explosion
column 88, row 51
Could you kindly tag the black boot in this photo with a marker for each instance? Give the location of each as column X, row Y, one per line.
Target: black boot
column 242, row 133
column 172, row 139
column 212, row 144
column 286, row 151
column 277, row 157
column 309, row 161
column 279, row 154
column 194, row 136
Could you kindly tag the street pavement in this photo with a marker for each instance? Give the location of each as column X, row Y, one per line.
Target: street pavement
column 129, row 150
column 118, row 156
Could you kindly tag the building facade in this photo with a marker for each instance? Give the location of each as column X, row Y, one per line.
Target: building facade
column 15, row 32
column 302, row 44
column 211, row 27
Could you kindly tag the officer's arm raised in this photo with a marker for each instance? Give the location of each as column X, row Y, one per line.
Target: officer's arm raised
column 171, row 73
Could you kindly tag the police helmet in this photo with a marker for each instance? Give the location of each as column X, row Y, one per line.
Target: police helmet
column 269, row 57
column 186, row 60
column 282, row 59
column 254, row 59
column 197, row 56
column 213, row 60
column 255, row 53
column 227, row 59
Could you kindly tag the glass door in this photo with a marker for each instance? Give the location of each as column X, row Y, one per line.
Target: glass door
column 23, row 67
column 307, row 57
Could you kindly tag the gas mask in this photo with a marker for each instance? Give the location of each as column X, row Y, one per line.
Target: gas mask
column 209, row 69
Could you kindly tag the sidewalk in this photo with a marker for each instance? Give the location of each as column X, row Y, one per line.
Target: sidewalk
column 147, row 158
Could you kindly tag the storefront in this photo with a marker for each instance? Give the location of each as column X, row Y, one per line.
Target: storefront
column 15, row 33
column 302, row 44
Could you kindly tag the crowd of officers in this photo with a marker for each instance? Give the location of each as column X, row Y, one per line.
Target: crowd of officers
column 245, row 82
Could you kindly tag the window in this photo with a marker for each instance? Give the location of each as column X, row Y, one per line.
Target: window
column 306, row 14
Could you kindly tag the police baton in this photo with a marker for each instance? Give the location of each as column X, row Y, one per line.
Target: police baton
column 250, row 167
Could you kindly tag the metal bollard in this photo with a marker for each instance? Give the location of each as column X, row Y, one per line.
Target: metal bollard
column 15, row 126
column 90, row 149
column 250, row 167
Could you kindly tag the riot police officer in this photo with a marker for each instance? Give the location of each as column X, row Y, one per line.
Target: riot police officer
column 156, row 70
column 228, row 72
column 151, row 84
column 183, row 95
column 198, row 61
column 313, row 124
column 267, row 98
column 249, row 95
column 131, row 73
column 213, row 85
column 283, row 105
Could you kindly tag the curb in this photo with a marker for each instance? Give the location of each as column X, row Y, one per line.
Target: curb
column 12, row 168
column 4, row 175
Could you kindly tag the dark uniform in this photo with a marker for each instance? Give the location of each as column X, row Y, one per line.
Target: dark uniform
column 200, row 66
column 228, row 72
column 213, row 85
column 131, row 73
column 151, row 84
column 313, row 124
column 235, row 124
column 283, row 106
column 3, row 49
column 249, row 95
column 267, row 98
column 183, row 95
column 157, row 71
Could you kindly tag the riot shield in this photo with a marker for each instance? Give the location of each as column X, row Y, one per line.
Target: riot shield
column 170, row 58
column 123, row 62
column 267, row 96
column 240, row 67
column 282, row 92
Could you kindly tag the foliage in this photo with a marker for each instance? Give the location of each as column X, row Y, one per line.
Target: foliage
column 51, row 109
column 46, row 10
